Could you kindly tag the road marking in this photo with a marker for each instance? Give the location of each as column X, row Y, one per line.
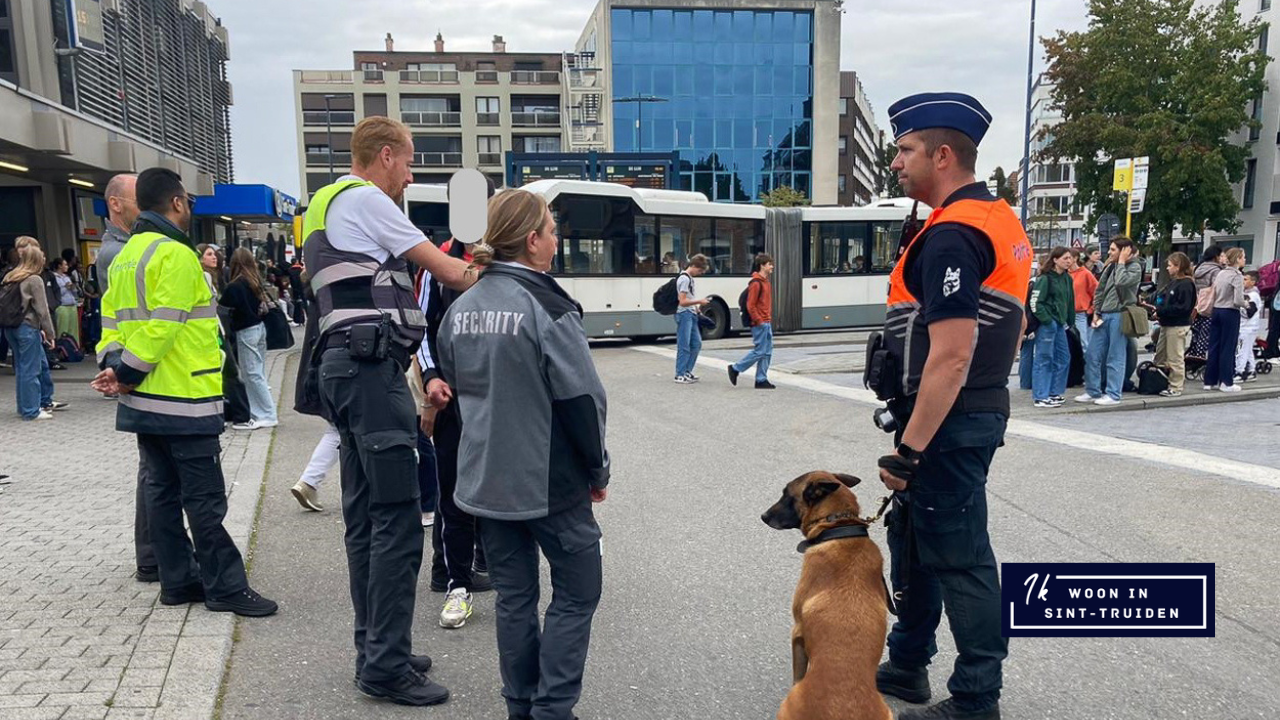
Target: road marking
column 1092, row 442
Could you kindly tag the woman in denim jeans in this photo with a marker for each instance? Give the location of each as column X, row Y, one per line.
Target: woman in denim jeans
column 1053, row 303
column 28, row 340
column 247, row 299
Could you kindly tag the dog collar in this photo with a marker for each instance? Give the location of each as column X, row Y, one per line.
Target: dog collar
column 835, row 533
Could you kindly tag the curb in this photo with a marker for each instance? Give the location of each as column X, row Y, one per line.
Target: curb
column 204, row 639
column 1203, row 397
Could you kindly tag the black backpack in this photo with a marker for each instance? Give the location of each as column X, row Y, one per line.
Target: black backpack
column 1152, row 379
column 666, row 299
column 742, row 303
column 12, row 310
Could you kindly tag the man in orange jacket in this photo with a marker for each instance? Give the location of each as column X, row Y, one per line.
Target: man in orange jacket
column 760, row 317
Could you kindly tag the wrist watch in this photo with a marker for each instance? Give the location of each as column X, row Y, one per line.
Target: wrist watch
column 908, row 453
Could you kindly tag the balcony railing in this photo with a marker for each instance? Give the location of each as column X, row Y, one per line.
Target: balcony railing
column 587, row 135
column 432, row 119
column 583, row 79
column 535, row 119
column 373, row 76
column 437, row 159
column 324, row 76
column 487, row 118
column 535, row 77
column 490, row 158
column 429, row 77
column 486, row 76
column 335, row 117
column 340, row 157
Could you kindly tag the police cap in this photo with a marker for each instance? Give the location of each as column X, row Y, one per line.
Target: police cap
column 956, row 111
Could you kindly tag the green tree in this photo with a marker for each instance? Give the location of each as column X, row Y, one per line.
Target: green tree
column 1164, row 79
column 1004, row 190
column 784, row 196
column 887, row 185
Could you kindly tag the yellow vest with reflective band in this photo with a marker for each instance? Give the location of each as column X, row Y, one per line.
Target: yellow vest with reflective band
column 160, row 316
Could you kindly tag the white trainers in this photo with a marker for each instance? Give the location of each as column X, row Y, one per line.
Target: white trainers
column 255, row 425
column 1085, row 398
column 428, row 519
column 44, row 415
column 1106, row 400
column 306, row 496
column 457, row 608
column 1230, row 388
column 683, row 380
column 1210, row 387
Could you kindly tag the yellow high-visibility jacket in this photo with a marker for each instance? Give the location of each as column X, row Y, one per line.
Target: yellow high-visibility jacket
column 160, row 333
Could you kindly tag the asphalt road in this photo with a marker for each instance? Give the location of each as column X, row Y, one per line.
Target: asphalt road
column 695, row 617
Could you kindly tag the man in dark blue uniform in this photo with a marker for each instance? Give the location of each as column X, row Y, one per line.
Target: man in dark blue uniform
column 953, row 323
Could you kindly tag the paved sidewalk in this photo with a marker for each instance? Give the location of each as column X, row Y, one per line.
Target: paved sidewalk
column 79, row 636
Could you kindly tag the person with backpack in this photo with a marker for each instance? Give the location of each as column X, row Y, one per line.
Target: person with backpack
column 28, row 327
column 67, row 314
column 1208, row 269
column 1224, row 326
column 759, row 317
column 689, row 307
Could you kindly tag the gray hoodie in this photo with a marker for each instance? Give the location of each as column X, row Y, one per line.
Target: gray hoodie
column 533, row 409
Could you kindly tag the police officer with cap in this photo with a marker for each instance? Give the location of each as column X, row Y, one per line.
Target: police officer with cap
column 955, row 316
column 357, row 240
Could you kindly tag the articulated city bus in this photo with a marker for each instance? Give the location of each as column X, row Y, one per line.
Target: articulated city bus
column 620, row 244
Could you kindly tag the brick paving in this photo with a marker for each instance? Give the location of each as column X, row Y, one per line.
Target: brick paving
column 79, row 636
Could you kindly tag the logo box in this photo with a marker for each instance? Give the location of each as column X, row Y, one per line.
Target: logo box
column 1107, row 599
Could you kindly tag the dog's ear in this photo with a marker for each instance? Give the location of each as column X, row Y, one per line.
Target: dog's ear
column 848, row 480
column 815, row 491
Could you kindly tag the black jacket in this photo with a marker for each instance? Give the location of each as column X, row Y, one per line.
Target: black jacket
column 1175, row 302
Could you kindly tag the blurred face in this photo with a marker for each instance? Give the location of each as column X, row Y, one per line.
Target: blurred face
column 1113, row 253
column 1063, row 263
column 1095, row 256
column 542, row 245
column 1172, row 267
column 180, row 208
column 122, row 209
column 209, row 259
column 914, row 167
column 1242, row 261
column 767, row 269
column 1248, row 282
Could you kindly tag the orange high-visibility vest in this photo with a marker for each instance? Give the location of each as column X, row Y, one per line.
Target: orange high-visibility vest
column 1001, row 297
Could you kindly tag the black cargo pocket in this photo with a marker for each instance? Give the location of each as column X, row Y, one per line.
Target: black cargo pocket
column 199, row 464
column 944, row 524
column 580, row 537
column 391, row 465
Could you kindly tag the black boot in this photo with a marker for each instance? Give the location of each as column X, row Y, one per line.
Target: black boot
column 948, row 710
column 910, row 684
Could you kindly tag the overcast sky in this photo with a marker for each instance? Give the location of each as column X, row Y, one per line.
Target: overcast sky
column 973, row 46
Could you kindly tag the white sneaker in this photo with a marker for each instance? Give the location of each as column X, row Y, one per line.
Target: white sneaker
column 1230, row 388
column 255, row 425
column 457, row 608
column 44, row 415
column 1085, row 398
column 428, row 519
column 1106, row 400
column 1210, row 387
column 683, row 380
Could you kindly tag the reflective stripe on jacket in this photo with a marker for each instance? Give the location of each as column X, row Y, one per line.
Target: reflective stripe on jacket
column 160, row 333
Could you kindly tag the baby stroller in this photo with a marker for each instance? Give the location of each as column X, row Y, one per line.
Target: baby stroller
column 1261, row 364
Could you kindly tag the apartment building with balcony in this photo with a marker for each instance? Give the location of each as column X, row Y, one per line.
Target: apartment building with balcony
column 1053, row 215
column 465, row 109
column 858, row 144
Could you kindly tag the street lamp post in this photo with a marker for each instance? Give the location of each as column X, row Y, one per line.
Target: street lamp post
column 328, row 130
column 640, row 100
column 1026, row 137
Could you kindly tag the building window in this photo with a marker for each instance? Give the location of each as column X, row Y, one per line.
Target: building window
column 537, row 144
column 488, row 111
column 844, row 106
column 486, row 72
column 1264, row 5
column 490, row 149
column 1250, row 180
column 844, row 144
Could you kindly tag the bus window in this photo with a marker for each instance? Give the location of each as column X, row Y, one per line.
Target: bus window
column 682, row 236
column 837, row 248
column 648, row 258
column 744, row 239
column 884, row 244
column 597, row 235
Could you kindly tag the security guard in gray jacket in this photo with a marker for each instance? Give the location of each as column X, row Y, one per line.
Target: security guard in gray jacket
column 952, row 327
column 356, row 242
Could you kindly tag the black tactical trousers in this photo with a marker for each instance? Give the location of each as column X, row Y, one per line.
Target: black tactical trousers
column 542, row 668
column 370, row 405
column 453, row 536
column 184, row 473
column 953, row 566
column 142, row 550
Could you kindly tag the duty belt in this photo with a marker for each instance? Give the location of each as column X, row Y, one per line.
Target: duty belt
column 338, row 339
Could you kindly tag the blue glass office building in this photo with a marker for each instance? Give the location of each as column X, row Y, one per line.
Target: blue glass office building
column 736, row 91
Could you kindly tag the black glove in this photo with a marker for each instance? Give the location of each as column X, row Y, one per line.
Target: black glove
column 899, row 466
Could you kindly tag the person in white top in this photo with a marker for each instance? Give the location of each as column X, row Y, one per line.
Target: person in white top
column 1250, row 324
column 688, row 335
